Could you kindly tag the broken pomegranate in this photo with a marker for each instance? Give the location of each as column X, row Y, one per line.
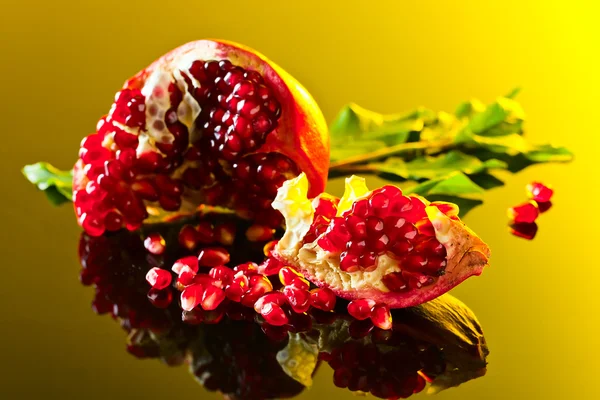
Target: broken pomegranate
column 381, row 245
column 211, row 122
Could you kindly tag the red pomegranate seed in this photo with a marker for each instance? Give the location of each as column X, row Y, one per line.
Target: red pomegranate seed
column 212, row 297
column 381, row 317
column 259, row 285
column 213, row 257
column 323, row 299
column 273, row 314
column 349, row 262
column 191, row 296
column 155, row 243
column 189, row 261
column 270, row 266
column 289, row 276
column 225, row 233
column 268, row 248
column 273, row 297
column 248, row 268
column 361, row 308
column 222, row 274
column 524, row 230
column 186, row 276
column 187, row 237
column 395, row 282
column 539, row 192
column 158, row 278
column 527, row 212
column 160, row 298
column 325, row 205
column 259, row 233
column 299, row 299
column 237, row 288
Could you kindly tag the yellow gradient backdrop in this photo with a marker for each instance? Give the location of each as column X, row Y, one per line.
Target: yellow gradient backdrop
column 62, row 61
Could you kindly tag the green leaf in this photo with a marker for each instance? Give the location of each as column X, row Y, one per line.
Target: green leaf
column 515, row 151
column 354, row 148
column 433, row 167
column 356, row 130
column 455, row 184
column 55, row 183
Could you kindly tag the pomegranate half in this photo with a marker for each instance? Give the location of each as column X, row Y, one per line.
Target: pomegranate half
column 211, row 122
column 378, row 245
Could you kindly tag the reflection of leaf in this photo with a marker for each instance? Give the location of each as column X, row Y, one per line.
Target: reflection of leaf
column 299, row 358
column 433, row 167
column 55, row 183
column 455, row 184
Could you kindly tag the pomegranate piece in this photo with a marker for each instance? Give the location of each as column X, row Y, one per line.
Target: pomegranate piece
column 211, row 122
column 381, row 245
column 155, row 243
column 539, row 192
column 524, row 213
column 213, row 257
column 158, row 278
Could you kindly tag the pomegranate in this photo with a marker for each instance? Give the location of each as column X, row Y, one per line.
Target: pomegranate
column 211, row 122
column 381, row 245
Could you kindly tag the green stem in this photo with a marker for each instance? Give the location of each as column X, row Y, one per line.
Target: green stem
column 387, row 152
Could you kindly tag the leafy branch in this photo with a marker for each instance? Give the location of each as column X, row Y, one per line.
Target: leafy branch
column 452, row 157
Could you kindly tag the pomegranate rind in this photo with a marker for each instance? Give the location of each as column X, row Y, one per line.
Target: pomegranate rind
column 467, row 254
column 302, row 134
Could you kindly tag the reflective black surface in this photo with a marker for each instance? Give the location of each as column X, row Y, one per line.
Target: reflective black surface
column 232, row 351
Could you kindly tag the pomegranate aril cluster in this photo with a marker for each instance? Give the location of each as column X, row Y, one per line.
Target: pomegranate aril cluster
column 325, row 207
column 523, row 216
column 387, row 222
column 141, row 159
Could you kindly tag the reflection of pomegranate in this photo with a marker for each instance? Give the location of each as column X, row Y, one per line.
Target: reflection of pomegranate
column 438, row 342
column 379, row 245
column 210, row 122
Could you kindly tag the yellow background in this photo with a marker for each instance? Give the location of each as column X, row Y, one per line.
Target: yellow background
column 62, row 61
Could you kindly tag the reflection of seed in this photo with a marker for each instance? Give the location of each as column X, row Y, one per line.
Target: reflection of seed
column 524, row 230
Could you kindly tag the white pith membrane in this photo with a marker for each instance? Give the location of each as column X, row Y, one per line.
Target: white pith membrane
column 157, row 102
column 465, row 250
